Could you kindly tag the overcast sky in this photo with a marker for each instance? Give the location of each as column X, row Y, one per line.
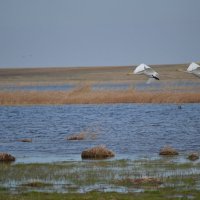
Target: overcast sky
column 98, row 32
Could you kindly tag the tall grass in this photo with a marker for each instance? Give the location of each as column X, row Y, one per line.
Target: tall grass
column 84, row 95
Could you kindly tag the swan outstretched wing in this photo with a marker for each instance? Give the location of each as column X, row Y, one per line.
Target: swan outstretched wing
column 140, row 69
column 193, row 66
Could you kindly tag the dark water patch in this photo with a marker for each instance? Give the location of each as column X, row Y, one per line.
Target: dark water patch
column 130, row 130
column 111, row 86
column 177, row 86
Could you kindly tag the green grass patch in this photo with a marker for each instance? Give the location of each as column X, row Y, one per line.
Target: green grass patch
column 101, row 175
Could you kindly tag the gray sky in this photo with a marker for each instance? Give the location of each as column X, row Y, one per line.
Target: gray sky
column 98, row 32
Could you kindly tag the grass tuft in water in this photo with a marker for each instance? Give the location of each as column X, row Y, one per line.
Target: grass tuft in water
column 98, row 152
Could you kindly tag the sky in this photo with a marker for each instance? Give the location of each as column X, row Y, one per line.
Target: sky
column 50, row 33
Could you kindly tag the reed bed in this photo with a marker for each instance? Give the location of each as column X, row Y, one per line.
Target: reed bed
column 84, row 95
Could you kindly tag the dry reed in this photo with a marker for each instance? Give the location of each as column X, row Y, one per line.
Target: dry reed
column 168, row 151
column 5, row 157
column 193, row 156
column 85, row 95
column 80, row 136
column 98, row 152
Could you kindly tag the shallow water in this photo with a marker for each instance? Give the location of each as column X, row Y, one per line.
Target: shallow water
column 181, row 86
column 130, row 130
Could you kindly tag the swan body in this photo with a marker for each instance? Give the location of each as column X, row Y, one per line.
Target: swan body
column 147, row 71
column 194, row 69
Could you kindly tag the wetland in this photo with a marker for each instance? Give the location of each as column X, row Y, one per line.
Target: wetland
column 41, row 108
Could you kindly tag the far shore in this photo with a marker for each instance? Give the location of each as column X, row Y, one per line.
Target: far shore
column 84, row 77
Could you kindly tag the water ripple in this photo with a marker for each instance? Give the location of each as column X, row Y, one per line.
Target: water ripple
column 130, row 130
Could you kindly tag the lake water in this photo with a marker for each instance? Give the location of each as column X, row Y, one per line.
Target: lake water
column 131, row 130
column 181, row 86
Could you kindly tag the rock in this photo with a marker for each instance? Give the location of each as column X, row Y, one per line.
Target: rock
column 5, row 157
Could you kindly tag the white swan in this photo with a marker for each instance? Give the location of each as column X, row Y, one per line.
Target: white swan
column 146, row 70
column 194, row 69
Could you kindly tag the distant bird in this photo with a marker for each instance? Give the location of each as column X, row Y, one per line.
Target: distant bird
column 194, row 69
column 146, row 70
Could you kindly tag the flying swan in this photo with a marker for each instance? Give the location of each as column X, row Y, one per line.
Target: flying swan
column 194, row 69
column 146, row 70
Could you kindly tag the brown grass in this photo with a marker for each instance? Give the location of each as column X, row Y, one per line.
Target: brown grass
column 168, row 151
column 5, row 157
column 76, row 74
column 193, row 156
column 80, row 136
column 86, row 134
column 84, row 77
column 84, row 95
column 98, row 152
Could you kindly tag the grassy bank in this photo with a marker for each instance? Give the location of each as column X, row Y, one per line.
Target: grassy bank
column 83, row 78
column 101, row 180
column 85, row 95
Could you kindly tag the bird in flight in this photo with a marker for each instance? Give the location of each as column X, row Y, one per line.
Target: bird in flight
column 147, row 71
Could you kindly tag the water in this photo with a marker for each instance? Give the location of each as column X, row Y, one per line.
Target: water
column 130, row 130
column 111, row 86
column 183, row 86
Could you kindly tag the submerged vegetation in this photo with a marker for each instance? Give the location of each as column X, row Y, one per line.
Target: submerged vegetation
column 140, row 178
column 161, row 178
